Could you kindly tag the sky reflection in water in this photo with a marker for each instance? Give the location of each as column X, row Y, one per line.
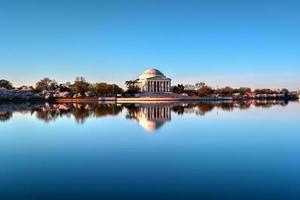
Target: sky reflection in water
column 210, row 150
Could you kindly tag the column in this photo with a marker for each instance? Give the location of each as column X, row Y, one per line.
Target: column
column 167, row 86
column 148, row 86
column 151, row 83
column 160, row 90
column 152, row 86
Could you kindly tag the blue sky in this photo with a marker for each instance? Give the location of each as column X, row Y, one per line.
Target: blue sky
column 233, row 42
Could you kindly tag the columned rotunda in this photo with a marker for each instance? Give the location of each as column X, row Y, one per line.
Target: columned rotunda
column 153, row 81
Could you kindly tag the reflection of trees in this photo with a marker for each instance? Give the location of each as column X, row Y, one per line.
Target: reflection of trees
column 51, row 111
column 47, row 115
column 244, row 106
column 178, row 109
column 225, row 106
column 81, row 111
column 5, row 116
column 105, row 109
column 269, row 103
column 204, row 108
column 201, row 108
column 132, row 111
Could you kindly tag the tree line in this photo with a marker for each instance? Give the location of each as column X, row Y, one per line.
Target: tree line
column 205, row 91
column 79, row 86
column 83, row 88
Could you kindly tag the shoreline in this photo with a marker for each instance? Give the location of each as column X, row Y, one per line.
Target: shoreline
column 142, row 100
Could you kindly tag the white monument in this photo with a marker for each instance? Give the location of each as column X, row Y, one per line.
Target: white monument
column 153, row 81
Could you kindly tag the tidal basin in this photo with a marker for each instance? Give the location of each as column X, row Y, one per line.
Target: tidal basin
column 193, row 150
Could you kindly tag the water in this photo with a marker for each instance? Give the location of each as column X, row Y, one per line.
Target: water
column 210, row 150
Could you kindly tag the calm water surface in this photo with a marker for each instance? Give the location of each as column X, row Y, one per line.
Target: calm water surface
column 247, row 150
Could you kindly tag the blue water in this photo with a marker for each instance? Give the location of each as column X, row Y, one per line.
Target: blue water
column 165, row 151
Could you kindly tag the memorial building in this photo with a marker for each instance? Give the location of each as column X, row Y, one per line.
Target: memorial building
column 153, row 81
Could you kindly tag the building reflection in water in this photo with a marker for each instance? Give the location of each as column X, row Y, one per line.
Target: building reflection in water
column 150, row 117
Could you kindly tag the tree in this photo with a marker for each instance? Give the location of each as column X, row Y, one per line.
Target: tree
column 104, row 89
column 64, row 87
column 5, row 84
column 53, row 85
column 132, row 87
column 227, row 91
column 117, row 89
column 244, row 90
column 264, row 91
column 284, row 91
column 199, row 85
column 178, row 89
column 80, row 85
column 46, row 84
column 205, row 91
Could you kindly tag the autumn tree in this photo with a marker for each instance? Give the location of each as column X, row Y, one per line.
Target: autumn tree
column 46, row 84
column 263, row 91
column 80, row 85
column 244, row 90
column 227, row 91
column 205, row 91
column 104, row 89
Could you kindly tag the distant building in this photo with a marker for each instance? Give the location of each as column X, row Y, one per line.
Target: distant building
column 153, row 81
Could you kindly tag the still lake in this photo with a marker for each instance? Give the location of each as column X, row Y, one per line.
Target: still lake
column 211, row 150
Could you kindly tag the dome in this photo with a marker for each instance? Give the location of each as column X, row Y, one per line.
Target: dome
column 151, row 125
column 150, row 73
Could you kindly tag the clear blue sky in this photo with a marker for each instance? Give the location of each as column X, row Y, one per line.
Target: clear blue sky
column 252, row 43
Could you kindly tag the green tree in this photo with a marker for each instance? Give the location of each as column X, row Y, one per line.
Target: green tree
column 5, row 84
column 132, row 87
column 179, row 89
column 117, row 89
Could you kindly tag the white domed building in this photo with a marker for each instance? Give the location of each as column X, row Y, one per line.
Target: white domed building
column 153, row 81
